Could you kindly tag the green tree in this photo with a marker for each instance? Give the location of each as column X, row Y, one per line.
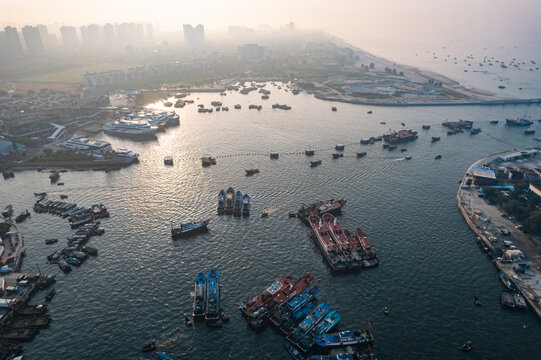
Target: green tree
column 533, row 223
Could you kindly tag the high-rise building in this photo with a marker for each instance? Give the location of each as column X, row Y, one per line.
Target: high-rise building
column 32, row 38
column 90, row 35
column 13, row 42
column 150, row 34
column 109, row 34
column 69, row 36
column 194, row 37
column 251, row 52
column 45, row 36
column 3, row 46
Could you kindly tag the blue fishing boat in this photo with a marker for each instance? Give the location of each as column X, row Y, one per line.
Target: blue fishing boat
column 346, row 338
column 308, row 323
column 237, row 205
column 295, row 354
column 221, row 202
column 212, row 311
column 229, row 199
column 189, row 228
column 294, row 305
column 294, row 319
column 325, row 325
column 199, row 297
column 246, row 205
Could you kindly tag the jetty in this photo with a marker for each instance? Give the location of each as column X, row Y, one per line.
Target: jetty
column 496, row 231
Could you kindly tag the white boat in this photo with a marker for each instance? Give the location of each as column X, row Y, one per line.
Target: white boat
column 82, row 143
column 129, row 127
column 126, row 153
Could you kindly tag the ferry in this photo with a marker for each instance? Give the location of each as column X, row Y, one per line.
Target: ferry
column 189, row 228
column 124, row 127
column 249, row 308
column 346, row 338
column 221, row 202
column 212, row 310
column 200, row 293
column 400, row 136
column 518, row 122
column 330, row 250
column 82, row 143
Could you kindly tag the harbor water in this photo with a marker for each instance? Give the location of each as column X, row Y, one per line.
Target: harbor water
column 139, row 287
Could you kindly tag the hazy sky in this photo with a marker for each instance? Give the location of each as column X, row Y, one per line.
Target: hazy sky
column 358, row 21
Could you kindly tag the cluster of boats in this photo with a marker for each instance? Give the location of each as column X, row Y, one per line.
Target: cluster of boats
column 141, row 124
column 511, row 297
column 292, row 308
column 235, row 203
column 77, row 216
column 76, row 252
column 206, row 299
column 341, row 249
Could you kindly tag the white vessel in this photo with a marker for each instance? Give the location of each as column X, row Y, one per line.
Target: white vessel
column 82, row 143
column 126, row 153
column 129, row 127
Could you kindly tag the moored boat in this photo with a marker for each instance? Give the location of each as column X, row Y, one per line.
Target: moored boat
column 8, row 211
column 400, row 136
column 520, row 302
column 369, row 257
column 245, row 205
column 237, row 204
column 361, row 154
column 22, row 216
column 324, row 326
column 212, row 309
column 189, row 228
column 295, row 304
column 507, row 281
column 518, row 122
column 250, row 307
column 345, row 243
column 323, row 239
column 251, row 171
column 308, row 323
column 315, row 163
column 435, row 138
column 346, row 338
column 229, row 200
column 506, row 298
column 221, row 202
column 199, row 297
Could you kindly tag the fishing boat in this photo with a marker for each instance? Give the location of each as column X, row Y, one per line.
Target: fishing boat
column 55, row 175
column 507, row 281
column 333, row 108
column 208, row 160
column 246, row 205
column 315, row 163
column 168, row 160
column 518, row 122
column 212, row 309
column 295, row 318
column 8, row 211
column 437, row 157
column 506, row 299
column 331, row 252
column 529, row 132
column 295, row 354
column 229, row 200
column 337, row 155
column 81, row 219
column 189, row 228
column 369, row 256
column 361, row 154
column 321, row 207
column 426, row 127
column 345, row 243
column 22, row 216
column 221, row 202
column 493, row 121
column 520, row 302
column 251, row 171
column 199, row 297
column 308, row 323
column 400, row 136
column 346, row 338
column 50, row 241
column 324, row 326
column 250, row 307
column 237, row 204
column 50, row 295
column 294, row 305
column 435, row 138
column 64, row 266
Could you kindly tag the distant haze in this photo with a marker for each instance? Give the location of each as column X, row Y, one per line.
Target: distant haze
column 367, row 24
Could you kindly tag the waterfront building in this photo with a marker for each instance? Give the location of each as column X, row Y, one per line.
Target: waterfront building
column 32, row 38
column 484, row 176
column 251, row 52
column 92, row 145
column 194, row 37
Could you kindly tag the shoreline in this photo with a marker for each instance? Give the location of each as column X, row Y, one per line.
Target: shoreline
column 525, row 289
column 440, row 103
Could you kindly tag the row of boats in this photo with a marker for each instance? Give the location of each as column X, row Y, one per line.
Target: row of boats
column 235, row 203
column 206, row 299
column 8, row 212
column 341, row 249
column 77, row 216
column 511, row 297
column 291, row 307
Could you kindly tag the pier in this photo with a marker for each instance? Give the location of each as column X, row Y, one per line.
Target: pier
column 487, row 223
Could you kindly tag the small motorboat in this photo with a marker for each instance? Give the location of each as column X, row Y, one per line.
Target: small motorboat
column 224, row 316
column 403, row 149
column 50, row 241
column 22, row 216
column 369, row 112
column 386, row 310
column 361, row 154
column 188, row 321
column 63, row 196
column 426, row 127
column 292, row 215
column 468, row 346
column 150, row 347
column 403, row 124
column 435, row 138
column 50, row 295
column 315, row 163
column 333, row 108
column 264, row 214
column 476, row 301
column 337, row 155
column 251, row 171
column 437, row 157
column 408, row 158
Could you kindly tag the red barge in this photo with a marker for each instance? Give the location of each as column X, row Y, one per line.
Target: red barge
column 344, row 242
column 331, row 251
